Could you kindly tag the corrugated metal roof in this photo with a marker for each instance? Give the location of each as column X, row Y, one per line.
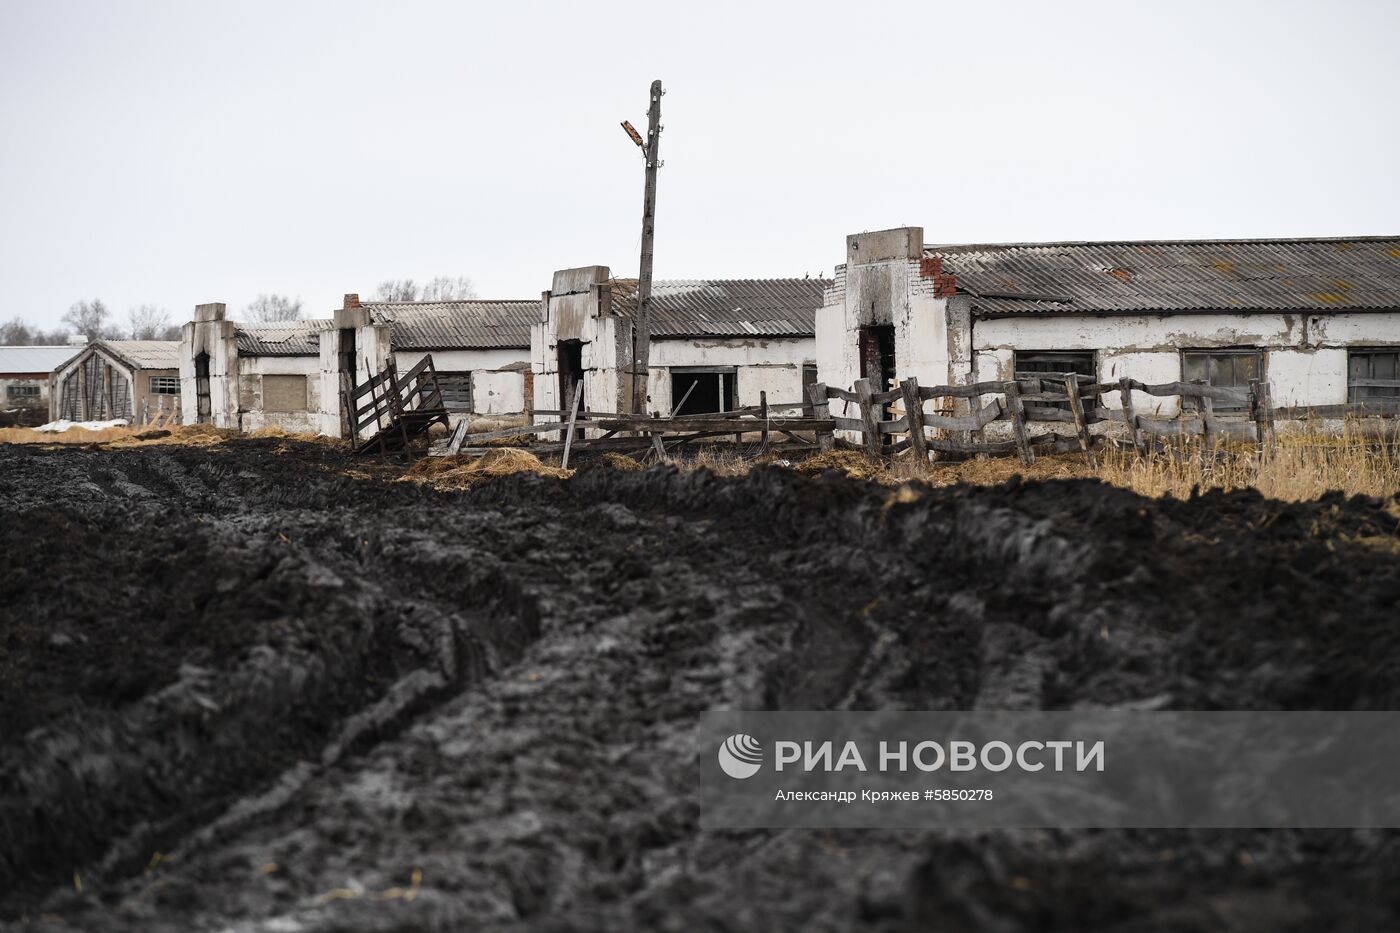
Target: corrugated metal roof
column 1302, row 275
column 16, row 360
column 468, row 324
column 144, row 354
column 727, row 307
column 289, row 338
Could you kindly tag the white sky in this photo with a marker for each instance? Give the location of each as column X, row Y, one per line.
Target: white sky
column 189, row 151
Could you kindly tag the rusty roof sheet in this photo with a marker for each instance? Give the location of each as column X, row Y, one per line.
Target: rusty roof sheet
column 1178, row 276
column 289, row 338
column 469, row 324
column 727, row 307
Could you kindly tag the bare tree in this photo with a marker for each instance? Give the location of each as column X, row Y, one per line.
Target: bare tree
column 397, row 290
column 148, row 322
column 269, row 309
column 448, row 288
column 89, row 318
column 16, row 333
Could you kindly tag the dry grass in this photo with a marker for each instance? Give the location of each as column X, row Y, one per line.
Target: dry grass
column 1300, row 465
column 73, row 436
column 465, row 472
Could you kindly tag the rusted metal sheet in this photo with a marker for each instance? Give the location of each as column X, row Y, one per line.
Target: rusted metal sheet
column 1302, row 275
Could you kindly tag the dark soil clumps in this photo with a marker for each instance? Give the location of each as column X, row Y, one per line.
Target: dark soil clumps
column 240, row 687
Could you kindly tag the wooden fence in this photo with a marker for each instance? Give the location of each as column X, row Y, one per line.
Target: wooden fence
column 1210, row 413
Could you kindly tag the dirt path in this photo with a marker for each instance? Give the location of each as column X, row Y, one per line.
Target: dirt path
column 333, row 703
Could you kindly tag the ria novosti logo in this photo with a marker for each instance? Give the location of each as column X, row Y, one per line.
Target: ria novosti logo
column 740, row 756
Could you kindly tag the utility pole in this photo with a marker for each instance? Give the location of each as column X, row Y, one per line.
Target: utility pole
column 641, row 334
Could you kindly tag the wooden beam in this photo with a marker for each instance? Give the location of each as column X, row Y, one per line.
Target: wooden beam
column 914, row 411
column 870, row 420
column 573, row 418
column 1018, row 421
column 1081, row 427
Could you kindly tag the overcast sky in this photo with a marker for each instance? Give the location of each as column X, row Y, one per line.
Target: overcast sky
column 180, row 152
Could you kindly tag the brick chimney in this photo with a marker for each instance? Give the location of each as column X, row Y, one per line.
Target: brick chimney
column 351, row 301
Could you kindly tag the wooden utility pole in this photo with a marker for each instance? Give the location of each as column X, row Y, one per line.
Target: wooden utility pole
column 641, row 334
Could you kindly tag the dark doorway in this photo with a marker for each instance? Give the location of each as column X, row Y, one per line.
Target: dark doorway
column 877, row 356
column 348, row 371
column 703, row 391
column 201, row 388
column 570, row 374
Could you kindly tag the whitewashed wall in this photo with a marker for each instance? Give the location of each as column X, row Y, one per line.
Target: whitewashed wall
column 1305, row 356
column 772, row 365
column 252, row 415
column 495, row 389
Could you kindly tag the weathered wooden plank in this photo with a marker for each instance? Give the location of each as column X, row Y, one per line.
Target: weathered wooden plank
column 884, row 398
column 1081, row 426
column 967, row 391
column 914, row 413
column 869, row 417
column 1042, row 413
column 1190, row 425
column 1230, row 395
column 573, row 419
column 1370, row 408
column 717, row 423
column 1125, row 389
column 847, row 424
column 899, row 425
column 459, row 436
column 1018, row 422
column 821, row 410
column 974, row 422
column 844, row 395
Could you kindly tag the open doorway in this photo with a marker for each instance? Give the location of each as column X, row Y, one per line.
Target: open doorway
column 348, row 368
column 877, row 356
column 204, row 409
column 696, row 391
column 570, row 374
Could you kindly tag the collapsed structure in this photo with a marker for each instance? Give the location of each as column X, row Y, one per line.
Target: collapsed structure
column 716, row 344
column 1316, row 320
column 110, row 379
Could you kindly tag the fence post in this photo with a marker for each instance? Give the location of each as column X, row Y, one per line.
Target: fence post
column 914, row 412
column 1017, row 411
column 821, row 411
column 1259, row 409
column 1125, row 395
column 870, row 418
column 763, row 415
column 1081, row 426
column 1207, row 416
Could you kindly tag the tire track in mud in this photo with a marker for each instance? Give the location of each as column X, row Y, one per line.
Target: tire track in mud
column 551, row 791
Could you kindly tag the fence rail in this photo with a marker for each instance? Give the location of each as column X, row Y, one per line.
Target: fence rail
column 1074, row 401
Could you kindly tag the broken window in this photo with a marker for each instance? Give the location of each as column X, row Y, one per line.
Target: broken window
column 1224, row 368
column 22, row 391
column 1373, row 374
column 1046, row 364
column 456, row 390
column 809, row 377
column 697, row 391
column 165, row 385
column 284, row 393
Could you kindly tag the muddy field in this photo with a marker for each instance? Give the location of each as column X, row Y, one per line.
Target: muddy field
column 241, row 689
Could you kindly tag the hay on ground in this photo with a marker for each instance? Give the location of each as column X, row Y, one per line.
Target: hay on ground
column 464, row 472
